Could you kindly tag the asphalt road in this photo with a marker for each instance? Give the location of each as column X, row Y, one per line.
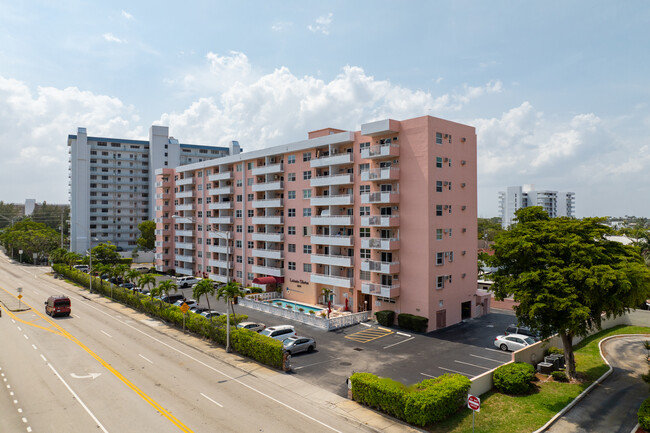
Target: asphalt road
column 100, row 370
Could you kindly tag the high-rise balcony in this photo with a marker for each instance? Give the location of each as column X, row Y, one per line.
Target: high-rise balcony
column 332, row 260
column 380, row 290
column 380, row 267
column 380, row 221
column 380, row 243
column 184, row 220
column 185, row 181
column 268, row 186
column 184, row 245
column 380, row 151
column 226, row 175
column 388, row 173
column 334, row 180
column 339, row 241
column 221, row 249
column 220, row 234
column 380, row 197
column 184, row 271
column 332, row 280
column 332, row 200
column 277, row 254
column 183, row 258
column 219, row 278
column 224, row 264
column 268, row 203
column 185, row 194
column 268, row 220
column 267, row 270
column 220, row 205
column 183, row 207
column 267, row 169
column 268, row 237
column 189, row 233
column 221, row 190
column 334, row 220
column 220, row 220
column 337, row 159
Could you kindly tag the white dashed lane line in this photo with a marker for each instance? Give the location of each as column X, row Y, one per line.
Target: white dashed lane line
column 34, row 346
column 106, row 333
column 143, row 357
column 217, row 403
column 15, row 401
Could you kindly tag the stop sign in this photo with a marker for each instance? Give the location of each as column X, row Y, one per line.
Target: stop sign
column 474, row 403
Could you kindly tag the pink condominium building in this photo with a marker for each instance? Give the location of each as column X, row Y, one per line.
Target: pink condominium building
column 385, row 218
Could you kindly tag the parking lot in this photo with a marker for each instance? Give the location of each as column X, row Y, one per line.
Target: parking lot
column 467, row 349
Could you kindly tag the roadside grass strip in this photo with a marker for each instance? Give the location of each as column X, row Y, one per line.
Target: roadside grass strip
column 368, row 335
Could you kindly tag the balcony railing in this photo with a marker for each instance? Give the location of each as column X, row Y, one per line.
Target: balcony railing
column 381, row 151
column 220, row 205
column 341, row 241
column 185, row 194
column 268, row 203
column 185, row 181
column 380, row 290
column 333, row 260
column 332, row 280
column 227, row 175
column 380, row 267
column 267, row 186
column 184, row 233
column 268, row 253
column 220, row 220
column 221, row 249
column 334, row 220
column 183, row 258
column 268, row 270
column 380, row 197
column 380, row 243
column 332, row 200
column 380, row 221
column 268, row 237
column 338, row 159
column 224, row 264
column 223, row 190
column 389, row 173
column 263, row 220
column 184, row 245
column 220, row 234
column 334, row 180
column 182, row 207
column 267, row 169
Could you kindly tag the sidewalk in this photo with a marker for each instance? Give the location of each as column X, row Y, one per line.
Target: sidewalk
column 348, row 409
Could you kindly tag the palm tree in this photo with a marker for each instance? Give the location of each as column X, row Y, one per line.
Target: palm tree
column 326, row 295
column 119, row 271
column 155, row 291
column 204, row 287
column 71, row 258
column 230, row 291
column 131, row 276
column 147, row 280
column 167, row 286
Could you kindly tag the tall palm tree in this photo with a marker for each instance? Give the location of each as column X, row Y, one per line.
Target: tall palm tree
column 147, row 280
column 132, row 275
column 167, row 286
column 119, row 271
column 230, row 291
column 204, row 287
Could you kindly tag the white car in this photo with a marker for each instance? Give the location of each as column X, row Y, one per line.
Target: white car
column 252, row 326
column 280, row 332
column 190, row 303
column 183, row 282
column 513, row 342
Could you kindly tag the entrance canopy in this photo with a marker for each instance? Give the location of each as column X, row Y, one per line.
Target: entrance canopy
column 268, row 280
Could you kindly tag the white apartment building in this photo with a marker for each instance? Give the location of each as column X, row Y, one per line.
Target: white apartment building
column 112, row 182
column 555, row 203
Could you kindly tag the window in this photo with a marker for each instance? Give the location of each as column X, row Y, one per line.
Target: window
column 306, row 175
column 291, row 177
column 240, row 197
column 364, row 189
column 238, row 243
column 292, row 248
column 291, row 266
column 438, row 210
column 306, row 156
column 249, row 197
column 238, row 167
column 250, row 260
column 238, row 274
column 239, row 228
column 250, row 181
column 438, row 138
column 438, row 186
column 291, row 195
column 250, row 245
column 438, row 234
column 249, row 165
column 438, row 162
column 291, row 212
column 239, row 182
column 364, row 253
column 306, row 231
column 440, row 259
column 238, row 213
column 291, row 159
column 364, row 275
column 250, row 229
column 440, row 282
column 364, row 167
column 306, row 249
column 250, row 276
column 239, row 259
column 364, row 232
column 306, row 267
column 306, row 212
column 364, row 210
column 250, row 213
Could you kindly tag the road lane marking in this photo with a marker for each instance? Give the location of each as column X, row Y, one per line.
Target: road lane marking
column 366, row 324
column 105, row 333
column 428, row 375
column 369, row 334
column 34, row 346
column 488, row 359
column 26, row 337
column 25, row 420
column 217, row 403
column 43, row 357
column 473, row 365
column 399, row 342
column 456, row 371
column 494, row 350
column 19, row 328
column 77, row 316
column 20, row 410
column 403, row 334
column 315, row 363
column 143, row 357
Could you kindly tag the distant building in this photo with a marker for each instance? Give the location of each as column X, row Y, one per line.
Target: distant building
column 30, row 204
column 555, row 203
column 112, row 182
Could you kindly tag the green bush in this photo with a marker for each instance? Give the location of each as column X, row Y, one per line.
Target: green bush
column 559, row 376
column 427, row 402
column 256, row 289
column 413, row 322
column 385, row 317
column 644, row 415
column 514, row 378
column 554, row 351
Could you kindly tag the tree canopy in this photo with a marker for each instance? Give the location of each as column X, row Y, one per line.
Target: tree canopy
column 147, row 239
column 30, row 237
column 565, row 275
column 105, row 254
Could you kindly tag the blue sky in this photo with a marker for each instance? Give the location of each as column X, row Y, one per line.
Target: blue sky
column 558, row 91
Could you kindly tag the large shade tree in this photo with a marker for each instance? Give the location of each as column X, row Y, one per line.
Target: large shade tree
column 566, row 276
column 31, row 238
column 147, row 239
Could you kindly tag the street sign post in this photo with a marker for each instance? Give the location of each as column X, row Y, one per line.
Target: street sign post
column 184, row 309
column 474, row 403
column 20, row 303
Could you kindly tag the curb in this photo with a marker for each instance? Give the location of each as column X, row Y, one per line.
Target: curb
column 584, row 393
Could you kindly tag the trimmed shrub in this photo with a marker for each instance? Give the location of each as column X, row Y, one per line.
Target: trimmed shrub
column 559, row 376
column 644, row 415
column 554, row 351
column 514, row 378
column 256, row 289
column 413, row 322
column 385, row 317
column 429, row 401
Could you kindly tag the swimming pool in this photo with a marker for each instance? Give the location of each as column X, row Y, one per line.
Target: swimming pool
column 296, row 306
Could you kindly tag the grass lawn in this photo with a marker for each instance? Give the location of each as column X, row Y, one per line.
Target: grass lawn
column 504, row 413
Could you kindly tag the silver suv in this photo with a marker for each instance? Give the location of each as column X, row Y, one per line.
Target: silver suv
column 183, row 282
column 280, row 332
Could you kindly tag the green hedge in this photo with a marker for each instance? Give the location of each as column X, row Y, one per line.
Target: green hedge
column 554, row 351
column 247, row 343
column 559, row 376
column 413, row 322
column 514, row 378
column 385, row 317
column 429, row 401
column 644, row 415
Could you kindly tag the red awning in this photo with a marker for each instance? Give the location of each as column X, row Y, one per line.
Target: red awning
column 264, row 280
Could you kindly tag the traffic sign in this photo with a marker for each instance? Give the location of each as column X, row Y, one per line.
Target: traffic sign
column 474, row 403
column 185, row 308
column 20, row 296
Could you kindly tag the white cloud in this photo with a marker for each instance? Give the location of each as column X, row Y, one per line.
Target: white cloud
column 110, row 37
column 280, row 26
column 127, row 15
column 322, row 24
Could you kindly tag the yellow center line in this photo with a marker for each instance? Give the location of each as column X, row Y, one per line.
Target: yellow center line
column 106, row 365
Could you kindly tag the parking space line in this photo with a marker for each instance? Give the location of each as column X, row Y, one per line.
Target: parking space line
column 456, row 371
column 369, row 334
column 315, row 363
column 473, row 365
column 399, row 342
column 365, row 324
column 495, row 350
column 487, row 359
column 403, row 334
column 428, row 375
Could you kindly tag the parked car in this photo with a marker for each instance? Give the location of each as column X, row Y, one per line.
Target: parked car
column 58, row 305
column 197, row 310
column 279, row 332
column 522, row 330
column 513, row 342
column 183, row 282
column 252, row 326
column 293, row 345
column 127, row 285
column 190, row 302
column 210, row 313
column 142, row 269
column 82, row 268
column 170, row 299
